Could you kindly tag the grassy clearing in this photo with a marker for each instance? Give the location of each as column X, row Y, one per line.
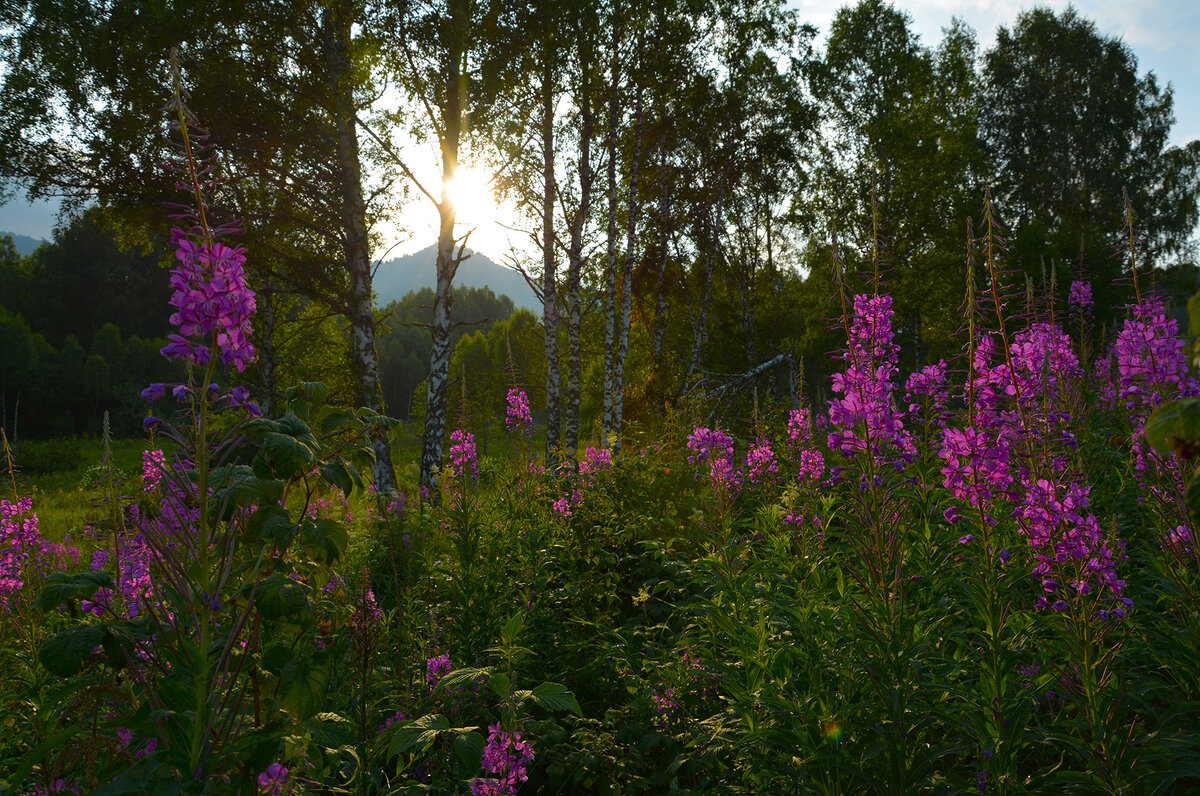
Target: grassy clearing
column 62, row 476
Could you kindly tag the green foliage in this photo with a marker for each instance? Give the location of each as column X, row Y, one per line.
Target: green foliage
column 404, row 343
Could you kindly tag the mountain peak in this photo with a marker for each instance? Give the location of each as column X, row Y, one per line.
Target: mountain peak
column 398, row 276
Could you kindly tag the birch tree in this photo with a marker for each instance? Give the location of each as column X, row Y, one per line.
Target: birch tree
column 282, row 88
column 455, row 58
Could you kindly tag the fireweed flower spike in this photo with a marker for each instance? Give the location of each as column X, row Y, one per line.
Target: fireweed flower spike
column 463, row 457
column 866, row 413
column 519, row 418
column 810, row 460
column 1080, row 302
column 715, row 448
column 506, row 760
column 212, row 303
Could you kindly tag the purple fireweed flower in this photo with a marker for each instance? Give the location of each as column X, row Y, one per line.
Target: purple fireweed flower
column 518, row 418
column 1074, row 558
column 977, row 466
column 210, row 298
column 1079, row 301
column 1180, row 539
column 463, row 457
column 154, row 466
column 436, row 668
column 395, row 717
column 802, row 446
column 366, row 611
column 506, row 760
column 926, row 393
column 761, row 467
column 274, row 780
column 25, row 555
column 595, row 460
column 665, row 704
column 866, row 416
column 715, row 448
column 1151, row 363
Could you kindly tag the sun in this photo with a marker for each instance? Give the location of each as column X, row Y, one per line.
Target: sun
column 477, row 210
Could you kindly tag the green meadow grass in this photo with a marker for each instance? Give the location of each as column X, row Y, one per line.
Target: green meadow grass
column 62, row 476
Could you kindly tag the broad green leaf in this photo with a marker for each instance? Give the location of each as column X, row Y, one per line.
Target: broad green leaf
column 62, row 588
column 276, row 657
column 461, row 678
column 336, row 420
column 554, row 696
column 280, row 597
column 121, row 641
column 65, row 653
column 500, row 683
column 1193, row 498
column 512, row 629
column 304, row 681
column 338, row 474
column 314, row 391
column 289, row 455
column 418, row 733
column 271, row 522
column 324, row 539
column 1175, row 427
column 468, row 748
column 256, row 490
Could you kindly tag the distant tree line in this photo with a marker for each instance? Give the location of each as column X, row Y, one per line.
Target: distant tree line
column 81, row 325
column 685, row 169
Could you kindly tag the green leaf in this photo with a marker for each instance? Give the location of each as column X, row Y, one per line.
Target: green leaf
column 294, row 427
column 325, row 540
column 554, row 696
column 271, row 522
column 338, row 474
column 460, row 678
column 314, row 391
column 512, row 629
column 259, row 427
column 418, row 733
column 468, row 748
column 120, row 642
column 290, row 456
column 62, row 588
column 280, row 597
column 304, row 681
column 65, row 653
column 1175, row 426
column 257, row 490
column 276, row 657
column 1193, row 498
column 336, row 420
column 500, row 683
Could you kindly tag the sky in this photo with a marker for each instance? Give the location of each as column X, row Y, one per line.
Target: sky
column 1163, row 34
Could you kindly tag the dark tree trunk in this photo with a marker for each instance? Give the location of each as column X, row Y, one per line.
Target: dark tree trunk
column 627, row 280
column 359, row 307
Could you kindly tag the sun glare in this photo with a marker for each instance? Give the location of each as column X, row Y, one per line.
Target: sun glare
column 473, row 197
column 477, row 211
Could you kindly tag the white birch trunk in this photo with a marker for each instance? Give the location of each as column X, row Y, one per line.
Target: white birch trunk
column 360, row 310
